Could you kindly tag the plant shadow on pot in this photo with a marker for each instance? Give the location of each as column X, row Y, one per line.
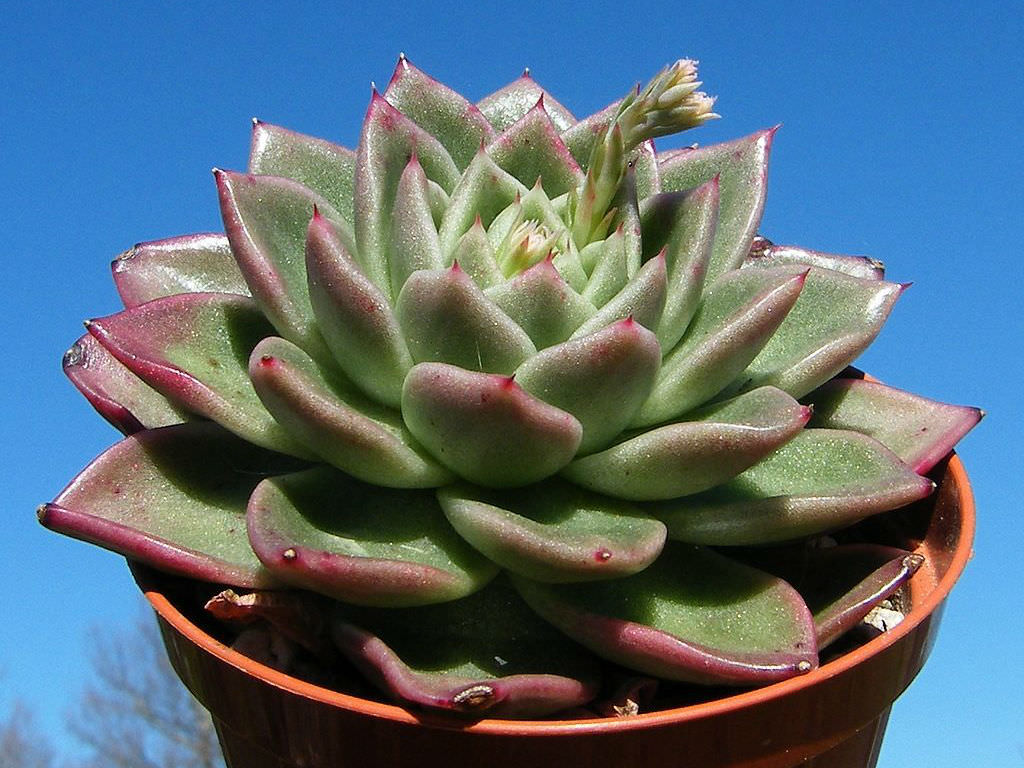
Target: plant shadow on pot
column 834, row 716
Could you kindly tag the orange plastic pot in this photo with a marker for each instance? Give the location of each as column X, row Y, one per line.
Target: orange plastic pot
column 833, row 717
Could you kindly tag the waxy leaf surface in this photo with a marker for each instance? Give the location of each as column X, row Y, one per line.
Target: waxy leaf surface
column 694, row 615
column 325, row 531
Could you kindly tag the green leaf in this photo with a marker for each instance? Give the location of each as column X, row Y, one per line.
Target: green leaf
column 918, row 430
column 507, row 105
column 189, row 264
column 643, row 299
column 742, row 167
column 173, row 498
column 194, row 349
column 474, row 254
column 694, row 615
column 327, row 532
column 414, row 240
column 554, row 531
column 327, row 414
column 485, row 428
column 821, row 480
column 389, row 140
column 443, row 113
column 121, row 397
column 487, row 653
column 445, row 317
column 835, row 318
column 710, row 447
column 766, row 254
column 542, row 304
column 356, row 319
column 266, row 219
column 531, row 149
column 602, row 379
column 327, row 169
column 733, row 322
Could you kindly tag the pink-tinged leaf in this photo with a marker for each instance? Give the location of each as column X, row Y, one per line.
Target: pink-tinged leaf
column 835, row 318
column 742, row 166
column 445, row 317
column 476, row 258
column 501, row 660
column 694, row 615
column 485, row 428
column 326, row 168
column 582, row 136
column 355, row 317
column 414, row 240
column 841, row 584
column 541, row 303
column 330, row 533
column 684, row 224
column 443, row 113
column 484, row 191
column 644, row 162
column 602, row 379
column 643, row 299
column 507, row 105
column 712, row 446
column 189, row 264
column 389, row 140
column 194, row 349
column 821, row 480
column 326, row 413
column 121, row 397
column 733, row 322
column 531, row 149
column 764, row 253
column 918, row 430
column 173, row 498
column 554, row 531
column 265, row 218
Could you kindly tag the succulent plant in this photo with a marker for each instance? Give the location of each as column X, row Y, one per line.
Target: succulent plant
column 501, row 393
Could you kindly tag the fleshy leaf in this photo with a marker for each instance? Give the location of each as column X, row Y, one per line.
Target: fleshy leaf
column 445, row 114
column 683, row 223
column 820, row 480
column 484, row 191
column 582, row 136
column 194, row 349
column 712, row 446
column 326, row 168
column 388, row 141
column 835, row 318
column 767, row 254
column 694, row 615
column 531, row 149
column 266, row 219
column 609, row 271
column 486, row 654
column 602, row 379
column 553, row 531
column 475, row 255
column 355, row 317
column 447, row 318
column 414, row 240
column 121, row 397
column 332, row 418
column 733, row 322
column 189, row 264
column 840, row 584
column 485, row 428
column 742, row 166
column 507, row 105
column 173, row 498
column 327, row 532
column 643, row 299
column 918, row 430
column 542, row 304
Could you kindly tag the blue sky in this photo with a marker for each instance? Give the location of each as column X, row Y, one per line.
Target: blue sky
column 900, row 140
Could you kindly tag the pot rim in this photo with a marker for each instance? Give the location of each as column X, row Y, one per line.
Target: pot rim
column 930, row 602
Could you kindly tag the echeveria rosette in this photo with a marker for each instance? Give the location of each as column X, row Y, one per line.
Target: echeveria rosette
column 494, row 339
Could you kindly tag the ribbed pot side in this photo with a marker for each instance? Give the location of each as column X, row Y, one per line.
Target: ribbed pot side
column 834, row 716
